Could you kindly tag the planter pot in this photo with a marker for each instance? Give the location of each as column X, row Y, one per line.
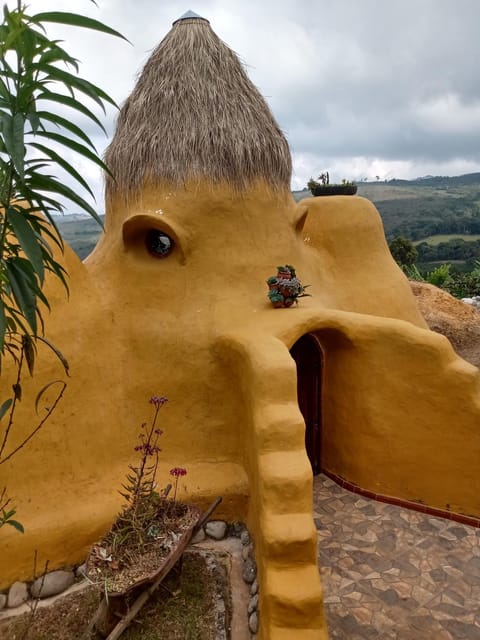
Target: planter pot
column 286, row 293
column 118, row 585
column 119, row 581
column 284, row 304
column 335, row 190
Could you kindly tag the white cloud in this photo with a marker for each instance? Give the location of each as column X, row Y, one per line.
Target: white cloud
column 448, row 114
column 360, row 88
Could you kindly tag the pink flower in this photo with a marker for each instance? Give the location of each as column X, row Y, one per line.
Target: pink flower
column 178, row 471
column 158, row 400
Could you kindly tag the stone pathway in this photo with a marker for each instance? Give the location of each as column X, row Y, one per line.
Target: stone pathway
column 393, row 573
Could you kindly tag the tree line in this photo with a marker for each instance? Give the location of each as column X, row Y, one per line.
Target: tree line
column 453, row 249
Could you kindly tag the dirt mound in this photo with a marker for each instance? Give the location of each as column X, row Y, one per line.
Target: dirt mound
column 451, row 317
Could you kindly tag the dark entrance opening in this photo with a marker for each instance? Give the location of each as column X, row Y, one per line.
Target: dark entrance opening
column 308, row 357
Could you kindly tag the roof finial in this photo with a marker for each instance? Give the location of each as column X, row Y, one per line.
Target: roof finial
column 190, row 15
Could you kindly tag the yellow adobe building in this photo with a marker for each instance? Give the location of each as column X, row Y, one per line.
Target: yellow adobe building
column 173, row 301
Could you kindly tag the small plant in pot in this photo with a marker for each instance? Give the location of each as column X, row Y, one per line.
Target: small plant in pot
column 323, row 187
column 285, row 288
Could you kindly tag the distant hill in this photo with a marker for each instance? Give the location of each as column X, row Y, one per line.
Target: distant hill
column 416, row 209
column 441, row 181
column 80, row 231
column 426, row 206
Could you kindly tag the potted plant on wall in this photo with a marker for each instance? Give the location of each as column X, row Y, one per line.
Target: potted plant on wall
column 322, row 186
column 285, row 288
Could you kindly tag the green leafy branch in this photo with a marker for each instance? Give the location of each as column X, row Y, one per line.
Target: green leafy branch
column 38, row 79
column 7, row 513
column 37, row 76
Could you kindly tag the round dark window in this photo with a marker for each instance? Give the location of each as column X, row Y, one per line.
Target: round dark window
column 158, row 243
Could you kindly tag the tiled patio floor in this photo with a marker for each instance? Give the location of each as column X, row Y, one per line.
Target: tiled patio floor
column 393, row 573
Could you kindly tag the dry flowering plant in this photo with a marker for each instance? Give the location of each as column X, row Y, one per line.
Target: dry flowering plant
column 150, row 522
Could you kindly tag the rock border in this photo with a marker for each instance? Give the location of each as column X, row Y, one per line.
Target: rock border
column 61, row 581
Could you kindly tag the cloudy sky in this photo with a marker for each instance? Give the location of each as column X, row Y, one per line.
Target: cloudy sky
column 362, row 88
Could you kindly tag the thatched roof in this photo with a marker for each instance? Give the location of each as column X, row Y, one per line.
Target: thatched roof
column 195, row 114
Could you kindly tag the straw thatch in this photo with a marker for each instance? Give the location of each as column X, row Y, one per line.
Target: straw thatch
column 194, row 114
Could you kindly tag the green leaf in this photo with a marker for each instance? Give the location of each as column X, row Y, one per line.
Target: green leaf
column 60, row 272
column 41, row 202
column 75, row 146
column 5, row 407
column 4, row 92
column 57, row 352
column 54, row 53
column 29, row 351
column 28, row 43
column 22, row 292
column 64, row 164
column 3, row 326
column 27, row 269
column 69, row 80
column 51, row 96
column 15, row 323
column 54, row 186
column 75, row 20
column 27, row 238
column 34, row 119
column 17, row 525
column 13, row 132
column 66, row 124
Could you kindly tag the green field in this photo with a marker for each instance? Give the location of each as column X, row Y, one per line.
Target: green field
column 437, row 239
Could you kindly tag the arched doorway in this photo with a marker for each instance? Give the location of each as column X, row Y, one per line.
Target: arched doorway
column 309, row 360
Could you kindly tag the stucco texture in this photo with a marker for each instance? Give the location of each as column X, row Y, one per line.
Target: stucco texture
column 400, row 410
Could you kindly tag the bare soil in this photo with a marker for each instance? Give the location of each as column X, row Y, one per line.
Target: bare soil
column 451, row 317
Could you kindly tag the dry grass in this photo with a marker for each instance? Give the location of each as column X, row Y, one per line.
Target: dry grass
column 437, row 239
column 195, row 114
column 132, row 553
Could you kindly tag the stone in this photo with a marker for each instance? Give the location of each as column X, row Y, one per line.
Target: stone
column 253, row 604
column 81, row 571
column 3, row 601
column 460, row 629
column 198, row 537
column 389, row 596
column 247, row 552
column 472, row 567
column 253, row 622
column 235, row 529
column 52, row 583
column 245, row 537
column 254, row 587
column 216, row 529
column 439, row 575
column 17, row 594
column 249, row 572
